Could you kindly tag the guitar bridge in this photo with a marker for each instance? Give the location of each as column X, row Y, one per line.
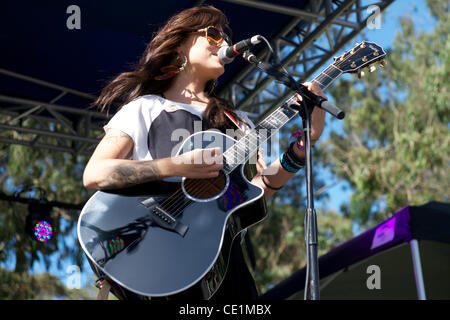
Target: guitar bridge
column 163, row 219
column 164, row 216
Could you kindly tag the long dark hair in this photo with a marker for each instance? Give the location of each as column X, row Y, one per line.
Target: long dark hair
column 160, row 52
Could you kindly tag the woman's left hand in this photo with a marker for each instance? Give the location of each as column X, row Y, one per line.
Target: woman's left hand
column 318, row 115
column 260, row 164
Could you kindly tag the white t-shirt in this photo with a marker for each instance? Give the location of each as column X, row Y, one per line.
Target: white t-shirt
column 151, row 122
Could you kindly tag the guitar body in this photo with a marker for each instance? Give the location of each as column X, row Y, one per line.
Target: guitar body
column 127, row 236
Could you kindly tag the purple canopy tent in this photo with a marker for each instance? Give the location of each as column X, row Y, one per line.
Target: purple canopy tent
column 410, row 252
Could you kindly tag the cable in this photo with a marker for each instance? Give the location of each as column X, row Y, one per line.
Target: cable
column 275, row 56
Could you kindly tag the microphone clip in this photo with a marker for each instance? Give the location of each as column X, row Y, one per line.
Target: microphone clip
column 250, row 57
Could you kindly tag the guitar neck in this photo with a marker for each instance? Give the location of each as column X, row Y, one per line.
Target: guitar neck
column 249, row 144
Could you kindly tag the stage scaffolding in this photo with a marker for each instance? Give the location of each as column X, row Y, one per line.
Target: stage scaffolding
column 314, row 35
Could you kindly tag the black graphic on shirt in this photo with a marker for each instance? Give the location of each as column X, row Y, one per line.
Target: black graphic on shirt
column 160, row 136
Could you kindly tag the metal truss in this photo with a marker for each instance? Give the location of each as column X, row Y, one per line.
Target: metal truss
column 313, row 36
column 46, row 124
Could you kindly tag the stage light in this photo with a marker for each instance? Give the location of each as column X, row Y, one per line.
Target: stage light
column 43, row 231
column 39, row 224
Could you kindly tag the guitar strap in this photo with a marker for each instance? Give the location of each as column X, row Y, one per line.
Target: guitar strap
column 241, row 132
column 104, row 287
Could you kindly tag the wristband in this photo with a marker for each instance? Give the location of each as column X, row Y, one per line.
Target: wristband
column 269, row 186
column 298, row 161
column 288, row 164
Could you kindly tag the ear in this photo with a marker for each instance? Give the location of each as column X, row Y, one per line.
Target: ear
column 180, row 55
column 181, row 60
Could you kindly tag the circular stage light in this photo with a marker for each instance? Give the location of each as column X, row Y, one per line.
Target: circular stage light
column 43, row 231
column 39, row 224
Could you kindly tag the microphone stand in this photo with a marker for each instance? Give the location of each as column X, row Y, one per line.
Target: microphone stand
column 309, row 101
column 312, row 266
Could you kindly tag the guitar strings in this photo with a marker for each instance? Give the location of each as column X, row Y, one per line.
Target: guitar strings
column 197, row 186
column 278, row 116
column 200, row 186
column 194, row 187
column 172, row 200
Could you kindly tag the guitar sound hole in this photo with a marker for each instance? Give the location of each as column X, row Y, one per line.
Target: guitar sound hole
column 206, row 189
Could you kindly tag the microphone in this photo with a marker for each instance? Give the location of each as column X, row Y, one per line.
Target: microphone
column 227, row 54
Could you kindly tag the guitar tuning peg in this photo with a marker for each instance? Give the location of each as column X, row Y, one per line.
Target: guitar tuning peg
column 372, row 68
column 383, row 63
column 360, row 73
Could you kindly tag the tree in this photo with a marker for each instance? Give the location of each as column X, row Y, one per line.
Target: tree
column 24, row 286
column 59, row 174
column 278, row 240
column 394, row 150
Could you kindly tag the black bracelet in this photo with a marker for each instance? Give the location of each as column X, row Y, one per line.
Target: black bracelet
column 269, row 186
column 298, row 161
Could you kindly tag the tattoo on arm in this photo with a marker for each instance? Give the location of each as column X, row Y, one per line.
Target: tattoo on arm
column 113, row 138
column 129, row 174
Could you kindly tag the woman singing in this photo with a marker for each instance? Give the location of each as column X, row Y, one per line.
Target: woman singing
column 172, row 88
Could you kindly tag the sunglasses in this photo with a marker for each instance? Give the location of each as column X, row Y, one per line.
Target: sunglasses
column 215, row 36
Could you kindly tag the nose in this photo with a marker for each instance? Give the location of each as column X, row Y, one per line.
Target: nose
column 219, row 46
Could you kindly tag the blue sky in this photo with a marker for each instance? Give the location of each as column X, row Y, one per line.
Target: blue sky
column 337, row 194
column 340, row 193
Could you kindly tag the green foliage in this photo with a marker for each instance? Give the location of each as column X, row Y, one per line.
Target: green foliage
column 24, row 286
column 280, row 248
column 394, row 150
column 25, row 170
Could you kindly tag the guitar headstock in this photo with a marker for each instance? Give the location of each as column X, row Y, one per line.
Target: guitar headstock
column 362, row 55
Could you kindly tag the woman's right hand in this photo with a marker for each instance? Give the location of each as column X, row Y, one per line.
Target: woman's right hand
column 199, row 163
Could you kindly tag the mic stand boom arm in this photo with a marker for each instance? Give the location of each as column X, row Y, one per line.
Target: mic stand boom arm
column 290, row 82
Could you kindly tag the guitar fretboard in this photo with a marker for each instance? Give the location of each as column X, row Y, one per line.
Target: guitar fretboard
column 249, row 144
column 327, row 76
